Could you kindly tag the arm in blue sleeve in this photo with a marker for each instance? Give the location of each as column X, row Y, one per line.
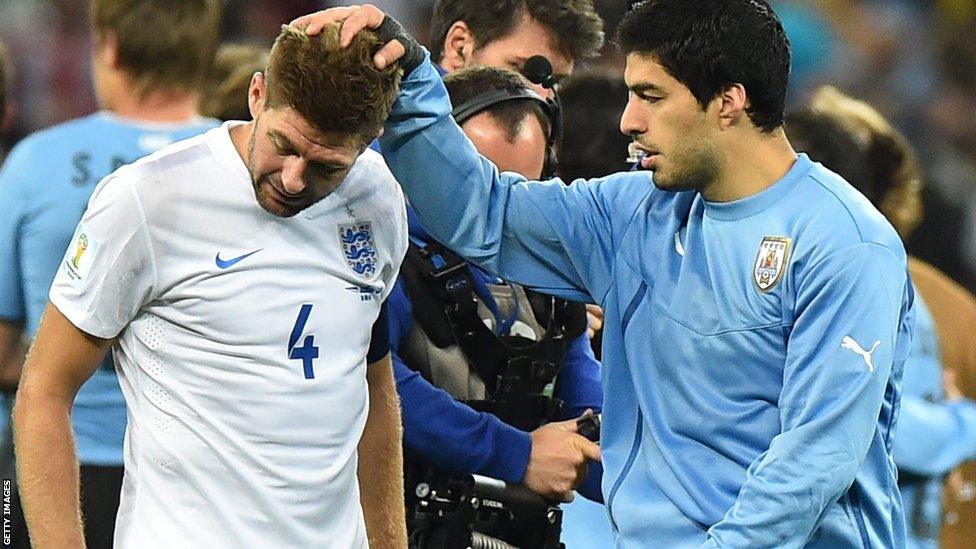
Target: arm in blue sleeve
column 448, row 433
column 934, row 438
column 579, row 379
column 13, row 199
column 831, row 397
column 545, row 235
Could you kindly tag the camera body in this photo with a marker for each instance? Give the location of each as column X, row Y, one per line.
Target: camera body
column 460, row 511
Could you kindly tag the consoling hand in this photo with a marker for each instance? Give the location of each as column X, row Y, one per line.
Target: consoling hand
column 354, row 19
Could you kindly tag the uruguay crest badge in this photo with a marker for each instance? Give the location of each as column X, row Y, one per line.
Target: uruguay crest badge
column 774, row 252
column 358, row 247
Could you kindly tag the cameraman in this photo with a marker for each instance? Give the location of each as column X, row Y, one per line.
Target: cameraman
column 549, row 459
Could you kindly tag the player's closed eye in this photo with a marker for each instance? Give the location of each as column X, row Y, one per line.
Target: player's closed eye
column 325, row 171
column 647, row 98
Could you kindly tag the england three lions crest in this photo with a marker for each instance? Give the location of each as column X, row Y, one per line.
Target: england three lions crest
column 774, row 252
column 358, row 247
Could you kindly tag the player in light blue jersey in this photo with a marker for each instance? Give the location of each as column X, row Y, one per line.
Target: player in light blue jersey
column 147, row 89
column 758, row 308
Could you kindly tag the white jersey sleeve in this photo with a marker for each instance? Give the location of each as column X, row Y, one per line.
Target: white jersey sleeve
column 108, row 272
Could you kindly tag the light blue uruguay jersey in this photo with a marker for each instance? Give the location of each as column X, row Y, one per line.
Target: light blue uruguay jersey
column 752, row 352
column 45, row 185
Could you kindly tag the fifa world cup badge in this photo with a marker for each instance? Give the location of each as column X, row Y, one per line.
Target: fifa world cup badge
column 774, row 252
column 80, row 255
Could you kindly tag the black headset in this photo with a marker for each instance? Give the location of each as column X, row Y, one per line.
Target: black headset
column 539, row 71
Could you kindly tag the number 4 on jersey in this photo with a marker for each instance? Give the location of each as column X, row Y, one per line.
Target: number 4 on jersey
column 308, row 352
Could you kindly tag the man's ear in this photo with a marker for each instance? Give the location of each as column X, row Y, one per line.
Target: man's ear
column 106, row 45
column 458, row 47
column 257, row 95
column 732, row 104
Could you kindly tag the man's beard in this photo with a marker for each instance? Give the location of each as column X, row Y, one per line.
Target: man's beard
column 689, row 170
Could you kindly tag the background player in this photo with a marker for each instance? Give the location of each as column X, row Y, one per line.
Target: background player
column 236, row 276
column 147, row 85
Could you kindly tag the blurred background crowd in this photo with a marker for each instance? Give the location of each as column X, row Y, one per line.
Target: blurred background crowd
column 915, row 60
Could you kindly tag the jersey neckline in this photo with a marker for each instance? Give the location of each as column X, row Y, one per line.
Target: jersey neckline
column 751, row 205
column 148, row 125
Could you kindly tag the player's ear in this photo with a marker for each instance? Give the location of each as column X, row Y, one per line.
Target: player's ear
column 257, row 95
column 732, row 104
column 458, row 47
column 106, row 45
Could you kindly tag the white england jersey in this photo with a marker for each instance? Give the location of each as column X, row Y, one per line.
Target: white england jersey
column 241, row 347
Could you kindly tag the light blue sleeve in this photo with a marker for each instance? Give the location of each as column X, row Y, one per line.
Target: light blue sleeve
column 852, row 328
column 933, row 438
column 552, row 237
column 934, row 435
column 14, row 203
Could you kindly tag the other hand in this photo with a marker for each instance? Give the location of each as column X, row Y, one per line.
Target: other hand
column 557, row 463
column 594, row 317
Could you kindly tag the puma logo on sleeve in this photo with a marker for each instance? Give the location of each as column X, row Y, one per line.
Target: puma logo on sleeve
column 849, row 343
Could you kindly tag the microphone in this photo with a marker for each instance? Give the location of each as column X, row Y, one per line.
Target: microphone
column 538, row 70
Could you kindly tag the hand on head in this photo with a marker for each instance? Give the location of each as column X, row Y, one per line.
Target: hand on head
column 354, row 19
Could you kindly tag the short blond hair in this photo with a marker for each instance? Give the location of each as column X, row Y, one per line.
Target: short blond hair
column 336, row 89
column 225, row 96
column 891, row 159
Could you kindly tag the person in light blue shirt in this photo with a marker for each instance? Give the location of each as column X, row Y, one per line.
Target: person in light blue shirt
column 148, row 92
column 936, row 433
column 758, row 308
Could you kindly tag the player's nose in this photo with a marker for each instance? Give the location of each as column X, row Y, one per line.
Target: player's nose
column 631, row 121
column 293, row 176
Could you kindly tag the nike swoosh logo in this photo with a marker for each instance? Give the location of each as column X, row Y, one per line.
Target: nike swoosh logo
column 223, row 264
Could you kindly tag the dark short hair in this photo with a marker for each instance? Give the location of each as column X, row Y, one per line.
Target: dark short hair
column 468, row 84
column 162, row 45
column 574, row 23
column 337, row 89
column 592, row 144
column 709, row 45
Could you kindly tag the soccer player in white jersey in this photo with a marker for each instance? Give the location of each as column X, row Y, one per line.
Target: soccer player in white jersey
column 237, row 277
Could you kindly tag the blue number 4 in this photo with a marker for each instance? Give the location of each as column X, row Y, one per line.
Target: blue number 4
column 308, row 352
